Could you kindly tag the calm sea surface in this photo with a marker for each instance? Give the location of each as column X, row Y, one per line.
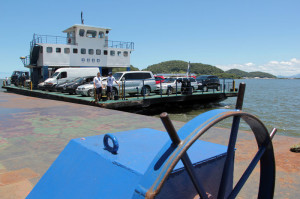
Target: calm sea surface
column 276, row 102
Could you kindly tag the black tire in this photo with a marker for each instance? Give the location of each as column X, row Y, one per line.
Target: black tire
column 115, row 91
column 169, row 91
column 91, row 93
column 146, row 90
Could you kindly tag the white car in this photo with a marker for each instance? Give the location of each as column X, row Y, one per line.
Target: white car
column 169, row 85
column 88, row 89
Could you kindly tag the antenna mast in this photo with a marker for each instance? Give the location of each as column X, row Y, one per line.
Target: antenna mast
column 82, row 20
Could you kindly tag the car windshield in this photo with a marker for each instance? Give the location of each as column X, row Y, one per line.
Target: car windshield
column 117, row 76
column 78, row 80
column 16, row 73
column 201, row 77
column 55, row 74
column 169, row 80
column 158, row 78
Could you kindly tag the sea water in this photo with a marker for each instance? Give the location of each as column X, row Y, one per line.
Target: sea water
column 276, row 102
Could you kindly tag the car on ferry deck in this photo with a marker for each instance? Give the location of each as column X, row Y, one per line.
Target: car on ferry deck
column 206, row 82
column 88, row 88
column 72, row 86
column 159, row 78
column 169, row 85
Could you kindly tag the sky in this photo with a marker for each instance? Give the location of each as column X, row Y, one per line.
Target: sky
column 250, row 35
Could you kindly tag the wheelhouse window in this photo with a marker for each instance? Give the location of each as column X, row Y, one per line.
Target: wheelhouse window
column 81, row 32
column 125, row 53
column 119, row 53
column 58, row 50
column 98, row 52
column 83, row 51
column 49, row 49
column 91, row 51
column 91, row 33
column 75, row 50
column 105, row 52
column 67, row 50
column 112, row 53
column 101, row 34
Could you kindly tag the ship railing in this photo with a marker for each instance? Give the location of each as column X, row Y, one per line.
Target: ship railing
column 119, row 44
column 226, row 86
column 25, row 60
column 52, row 39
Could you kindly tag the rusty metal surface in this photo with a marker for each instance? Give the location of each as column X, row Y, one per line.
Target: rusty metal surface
column 34, row 131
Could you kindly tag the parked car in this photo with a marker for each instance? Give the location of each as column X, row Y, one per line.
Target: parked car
column 72, row 86
column 60, row 86
column 19, row 77
column 169, row 85
column 135, row 81
column 86, row 90
column 206, row 82
column 159, row 78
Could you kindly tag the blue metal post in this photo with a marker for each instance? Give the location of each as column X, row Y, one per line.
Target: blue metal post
column 128, row 68
column 45, row 72
column 232, row 141
column 176, row 88
column 160, row 89
column 143, row 89
column 100, row 70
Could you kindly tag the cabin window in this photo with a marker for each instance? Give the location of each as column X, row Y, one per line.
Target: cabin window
column 98, row 52
column 63, row 75
column 81, row 32
column 91, row 51
column 119, row 53
column 67, row 50
column 105, row 52
column 101, row 34
column 49, row 49
column 125, row 53
column 91, row 33
column 88, row 59
column 112, row 53
column 58, row 50
column 83, row 51
column 75, row 50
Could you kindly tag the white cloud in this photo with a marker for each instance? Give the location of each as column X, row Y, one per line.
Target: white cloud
column 284, row 68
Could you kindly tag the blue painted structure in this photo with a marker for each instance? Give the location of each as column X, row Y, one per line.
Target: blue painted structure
column 85, row 169
column 148, row 164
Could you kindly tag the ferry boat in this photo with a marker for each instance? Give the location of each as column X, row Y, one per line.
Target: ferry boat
column 83, row 46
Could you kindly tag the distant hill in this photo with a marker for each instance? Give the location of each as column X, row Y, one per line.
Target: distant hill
column 250, row 74
column 177, row 66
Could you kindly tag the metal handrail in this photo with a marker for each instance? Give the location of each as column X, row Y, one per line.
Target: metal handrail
column 119, row 44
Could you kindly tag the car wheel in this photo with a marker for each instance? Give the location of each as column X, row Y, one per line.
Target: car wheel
column 169, row 91
column 218, row 88
column 91, row 93
column 145, row 90
column 205, row 89
column 115, row 92
column 193, row 89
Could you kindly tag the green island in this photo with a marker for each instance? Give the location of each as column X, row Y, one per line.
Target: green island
column 178, row 66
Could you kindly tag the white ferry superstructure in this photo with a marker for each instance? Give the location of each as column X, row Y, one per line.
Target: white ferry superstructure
column 84, row 46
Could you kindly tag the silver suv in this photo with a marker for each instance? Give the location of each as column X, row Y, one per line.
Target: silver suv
column 134, row 82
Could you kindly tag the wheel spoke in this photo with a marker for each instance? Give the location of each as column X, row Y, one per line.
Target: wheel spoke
column 229, row 157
